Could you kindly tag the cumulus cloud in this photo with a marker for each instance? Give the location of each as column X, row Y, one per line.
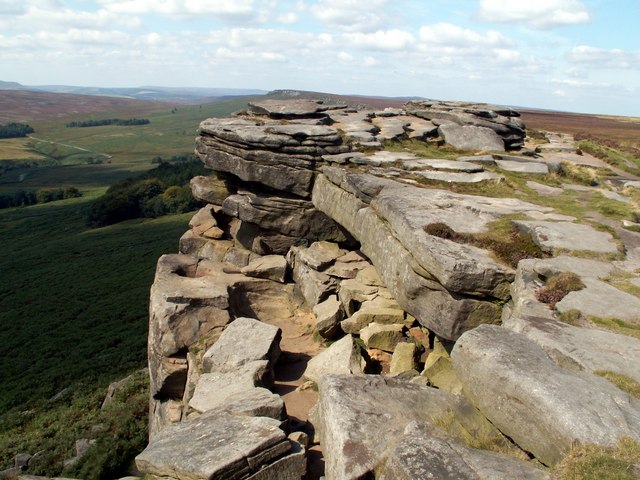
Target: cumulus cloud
column 455, row 36
column 380, row 40
column 603, row 58
column 539, row 14
column 348, row 15
column 227, row 10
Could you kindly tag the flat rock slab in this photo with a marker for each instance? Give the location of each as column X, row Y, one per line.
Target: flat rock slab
column 568, row 236
column 600, row 299
column 523, row 167
column 423, row 453
column 361, row 417
column 440, row 164
column 459, row 177
column 271, row 267
column 384, row 157
column 214, row 446
column 544, row 189
column 245, row 340
column 291, row 108
column 579, row 348
column 542, row 407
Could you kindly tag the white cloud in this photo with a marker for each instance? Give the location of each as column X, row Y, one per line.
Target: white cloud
column 345, row 57
column 227, row 10
column 602, row 58
column 380, row 40
column 348, row 15
column 288, row 18
column 450, row 35
column 560, row 93
column 539, row 14
column 370, row 62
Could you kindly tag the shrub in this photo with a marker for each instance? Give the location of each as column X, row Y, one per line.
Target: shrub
column 557, row 287
column 441, row 230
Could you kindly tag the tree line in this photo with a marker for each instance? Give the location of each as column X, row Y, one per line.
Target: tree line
column 108, row 121
column 23, row 198
column 160, row 191
column 15, row 130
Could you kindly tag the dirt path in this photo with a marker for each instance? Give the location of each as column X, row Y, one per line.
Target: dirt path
column 298, row 347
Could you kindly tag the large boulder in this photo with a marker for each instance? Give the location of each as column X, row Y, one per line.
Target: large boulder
column 468, row 137
column 544, row 408
column 360, row 418
column 342, row 357
column 424, row 452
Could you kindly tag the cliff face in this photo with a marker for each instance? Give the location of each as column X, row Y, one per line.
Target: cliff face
column 395, row 253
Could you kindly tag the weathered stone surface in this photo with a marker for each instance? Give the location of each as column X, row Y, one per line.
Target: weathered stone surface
column 541, row 406
column 353, row 294
column 459, row 177
column 423, row 452
column 383, row 337
column 569, row 236
column 372, row 312
column 468, row 137
column 272, row 267
column 359, row 418
column 292, row 466
column 189, row 301
column 320, row 255
column 291, row 108
column 346, row 270
column 599, row 299
column 439, row 371
column 403, row 358
column 544, row 189
column 523, row 167
column 369, row 276
column 237, row 392
column 329, row 314
column 440, row 164
column 419, row 273
column 212, row 189
column 579, row 348
column 342, row 357
column 214, row 445
column 315, row 286
column 261, row 241
column 244, row 340
column 289, row 216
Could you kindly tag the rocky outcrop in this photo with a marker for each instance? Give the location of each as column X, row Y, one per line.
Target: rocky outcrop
column 306, row 211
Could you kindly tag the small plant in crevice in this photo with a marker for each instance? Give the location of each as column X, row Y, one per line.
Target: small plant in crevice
column 557, row 287
column 510, row 247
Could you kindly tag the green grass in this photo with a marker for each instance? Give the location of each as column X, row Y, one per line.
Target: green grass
column 594, row 462
column 73, row 302
column 621, row 381
column 617, row 325
column 623, row 160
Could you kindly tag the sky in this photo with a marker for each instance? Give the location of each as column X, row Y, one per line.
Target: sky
column 571, row 55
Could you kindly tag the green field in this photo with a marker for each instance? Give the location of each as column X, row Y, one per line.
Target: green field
column 64, row 154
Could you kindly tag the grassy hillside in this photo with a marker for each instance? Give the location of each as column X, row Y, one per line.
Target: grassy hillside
column 73, row 301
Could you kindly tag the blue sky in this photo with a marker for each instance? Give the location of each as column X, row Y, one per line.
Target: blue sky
column 574, row 55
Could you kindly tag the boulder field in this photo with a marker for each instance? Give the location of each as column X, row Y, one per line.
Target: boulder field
column 342, row 305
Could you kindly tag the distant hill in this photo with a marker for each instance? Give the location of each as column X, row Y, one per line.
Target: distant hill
column 354, row 100
column 184, row 95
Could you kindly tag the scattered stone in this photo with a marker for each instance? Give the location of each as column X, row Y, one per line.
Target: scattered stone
column 369, row 276
column 346, row 270
column 403, row 359
column 383, row 337
column 315, row 286
column 342, row 356
column 370, row 312
column 271, row 267
column 259, row 341
column 329, row 314
column 570, row 236
column 353, row 294
column 212, row 189
column 544, row 408
column 320, row 255
column 439, row 371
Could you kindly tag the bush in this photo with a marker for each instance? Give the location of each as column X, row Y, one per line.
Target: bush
column 557, row 287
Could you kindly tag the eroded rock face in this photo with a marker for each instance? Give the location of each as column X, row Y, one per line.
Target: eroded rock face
column 541, row 406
